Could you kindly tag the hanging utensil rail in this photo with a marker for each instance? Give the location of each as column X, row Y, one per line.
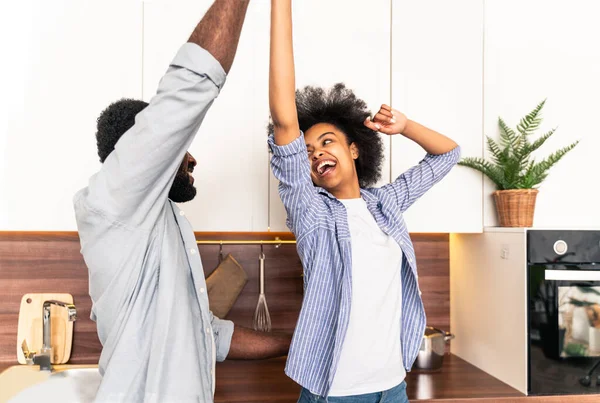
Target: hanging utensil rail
column 278, row 242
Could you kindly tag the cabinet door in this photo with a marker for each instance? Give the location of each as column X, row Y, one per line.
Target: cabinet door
column 65, row 61
column 437, row 74
column 341, row 41
column 231, row 145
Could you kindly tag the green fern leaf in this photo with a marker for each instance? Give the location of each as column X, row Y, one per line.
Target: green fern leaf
column 508, row 137
column 531, row 121
column 528, row 180
column 539, row 142
column 539, row 171
column 512, row 173
column 498, row 155
column 511, row 165
column 493, row 147
column 493, row 172
column 532, row 177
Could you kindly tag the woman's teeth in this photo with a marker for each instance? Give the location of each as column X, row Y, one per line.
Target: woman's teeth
column 322, row 167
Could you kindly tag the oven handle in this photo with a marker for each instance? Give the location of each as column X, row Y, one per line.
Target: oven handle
column 572, row 275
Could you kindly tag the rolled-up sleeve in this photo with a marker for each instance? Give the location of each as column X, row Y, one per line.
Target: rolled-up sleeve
column 299, row 195
column 413, row 183
column 223, row 332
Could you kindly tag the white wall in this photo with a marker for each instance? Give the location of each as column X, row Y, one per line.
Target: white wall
column 538, row 49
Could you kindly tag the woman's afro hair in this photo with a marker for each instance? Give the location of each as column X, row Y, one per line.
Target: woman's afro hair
column 340, row 107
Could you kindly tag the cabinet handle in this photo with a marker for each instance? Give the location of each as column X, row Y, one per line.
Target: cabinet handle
column 573, row 275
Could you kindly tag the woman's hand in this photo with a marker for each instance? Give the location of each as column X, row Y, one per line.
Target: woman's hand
column 390, row 121
column 387, row 120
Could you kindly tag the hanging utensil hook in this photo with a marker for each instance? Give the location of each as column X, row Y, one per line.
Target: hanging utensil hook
column 221, row 252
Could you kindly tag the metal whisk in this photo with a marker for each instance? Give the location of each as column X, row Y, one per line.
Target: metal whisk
column 262, row 319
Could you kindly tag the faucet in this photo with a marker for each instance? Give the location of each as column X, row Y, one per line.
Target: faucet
column 44, row 358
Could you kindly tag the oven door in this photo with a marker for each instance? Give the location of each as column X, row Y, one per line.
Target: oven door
column 563, row 328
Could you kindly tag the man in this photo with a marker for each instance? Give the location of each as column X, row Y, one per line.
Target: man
column 160, row 340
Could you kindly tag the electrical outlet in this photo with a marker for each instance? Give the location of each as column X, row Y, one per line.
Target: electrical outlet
column 504, row 252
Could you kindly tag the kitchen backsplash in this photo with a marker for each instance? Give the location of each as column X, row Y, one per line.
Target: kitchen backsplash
column 35, row 262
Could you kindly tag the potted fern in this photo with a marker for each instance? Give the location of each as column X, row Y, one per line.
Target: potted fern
column 513, row 170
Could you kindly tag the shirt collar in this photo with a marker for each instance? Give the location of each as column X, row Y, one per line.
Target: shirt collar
column 367, row 196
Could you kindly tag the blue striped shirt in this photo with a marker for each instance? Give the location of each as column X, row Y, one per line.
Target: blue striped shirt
column 319, row 222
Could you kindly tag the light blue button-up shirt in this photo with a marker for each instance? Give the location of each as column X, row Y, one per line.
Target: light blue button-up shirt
column 320, row 224
column 159, row 338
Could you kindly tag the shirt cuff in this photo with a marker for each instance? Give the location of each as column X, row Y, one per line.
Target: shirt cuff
column 295, row 147
column 194, row 58
column 223, row 332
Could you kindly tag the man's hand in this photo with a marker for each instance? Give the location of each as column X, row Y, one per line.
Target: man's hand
column 219, row 30
column 388, row 121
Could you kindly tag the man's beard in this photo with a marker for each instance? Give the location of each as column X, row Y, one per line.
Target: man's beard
column 182, row 190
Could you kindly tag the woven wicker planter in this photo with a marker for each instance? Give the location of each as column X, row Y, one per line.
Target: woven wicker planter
column 515, row 207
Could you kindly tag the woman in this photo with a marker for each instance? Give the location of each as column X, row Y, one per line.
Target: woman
column 362, row 318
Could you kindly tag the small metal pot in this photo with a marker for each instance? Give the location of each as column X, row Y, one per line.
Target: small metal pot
column 433, row 347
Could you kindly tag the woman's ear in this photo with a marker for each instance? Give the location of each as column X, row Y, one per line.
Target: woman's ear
column 354, row 151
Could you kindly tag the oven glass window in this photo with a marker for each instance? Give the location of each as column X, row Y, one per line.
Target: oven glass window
column 579, row 321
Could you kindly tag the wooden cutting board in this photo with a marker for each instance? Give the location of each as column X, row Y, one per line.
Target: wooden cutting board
column 31, row 326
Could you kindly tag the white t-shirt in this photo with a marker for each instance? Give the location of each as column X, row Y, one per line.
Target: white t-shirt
column 371, row 357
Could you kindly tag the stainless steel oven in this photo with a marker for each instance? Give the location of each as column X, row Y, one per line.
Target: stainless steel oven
column 563, row 312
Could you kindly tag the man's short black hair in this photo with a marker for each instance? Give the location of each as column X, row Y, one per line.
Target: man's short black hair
column 114, row 121
column 340, row 107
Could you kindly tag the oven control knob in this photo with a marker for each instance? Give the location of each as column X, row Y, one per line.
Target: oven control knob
column 560, row 247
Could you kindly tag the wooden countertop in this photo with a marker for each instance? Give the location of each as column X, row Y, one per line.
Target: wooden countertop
column 457, row 382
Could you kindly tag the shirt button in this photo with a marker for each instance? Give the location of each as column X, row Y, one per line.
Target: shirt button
column 416, row 276
column 420, row 293
column 202, row 291
column 410, row 259
column 208, row 330
column 193, row 251
column 181, row 212
column 401, row 242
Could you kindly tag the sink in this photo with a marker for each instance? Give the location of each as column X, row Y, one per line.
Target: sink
column 76, row 385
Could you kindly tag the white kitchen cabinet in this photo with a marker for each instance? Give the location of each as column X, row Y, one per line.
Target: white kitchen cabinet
column 64, row 62
column 341, row 41
column 488, row 302
column 437, row 76
column 231, row 145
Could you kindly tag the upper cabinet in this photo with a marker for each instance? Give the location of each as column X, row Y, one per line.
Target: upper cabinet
column 341, row 41
column 437, row 78
column 231, row 144
column 65, row 61
column 75, row 57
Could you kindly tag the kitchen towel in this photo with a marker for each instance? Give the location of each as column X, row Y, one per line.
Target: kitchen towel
column 224, row 286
